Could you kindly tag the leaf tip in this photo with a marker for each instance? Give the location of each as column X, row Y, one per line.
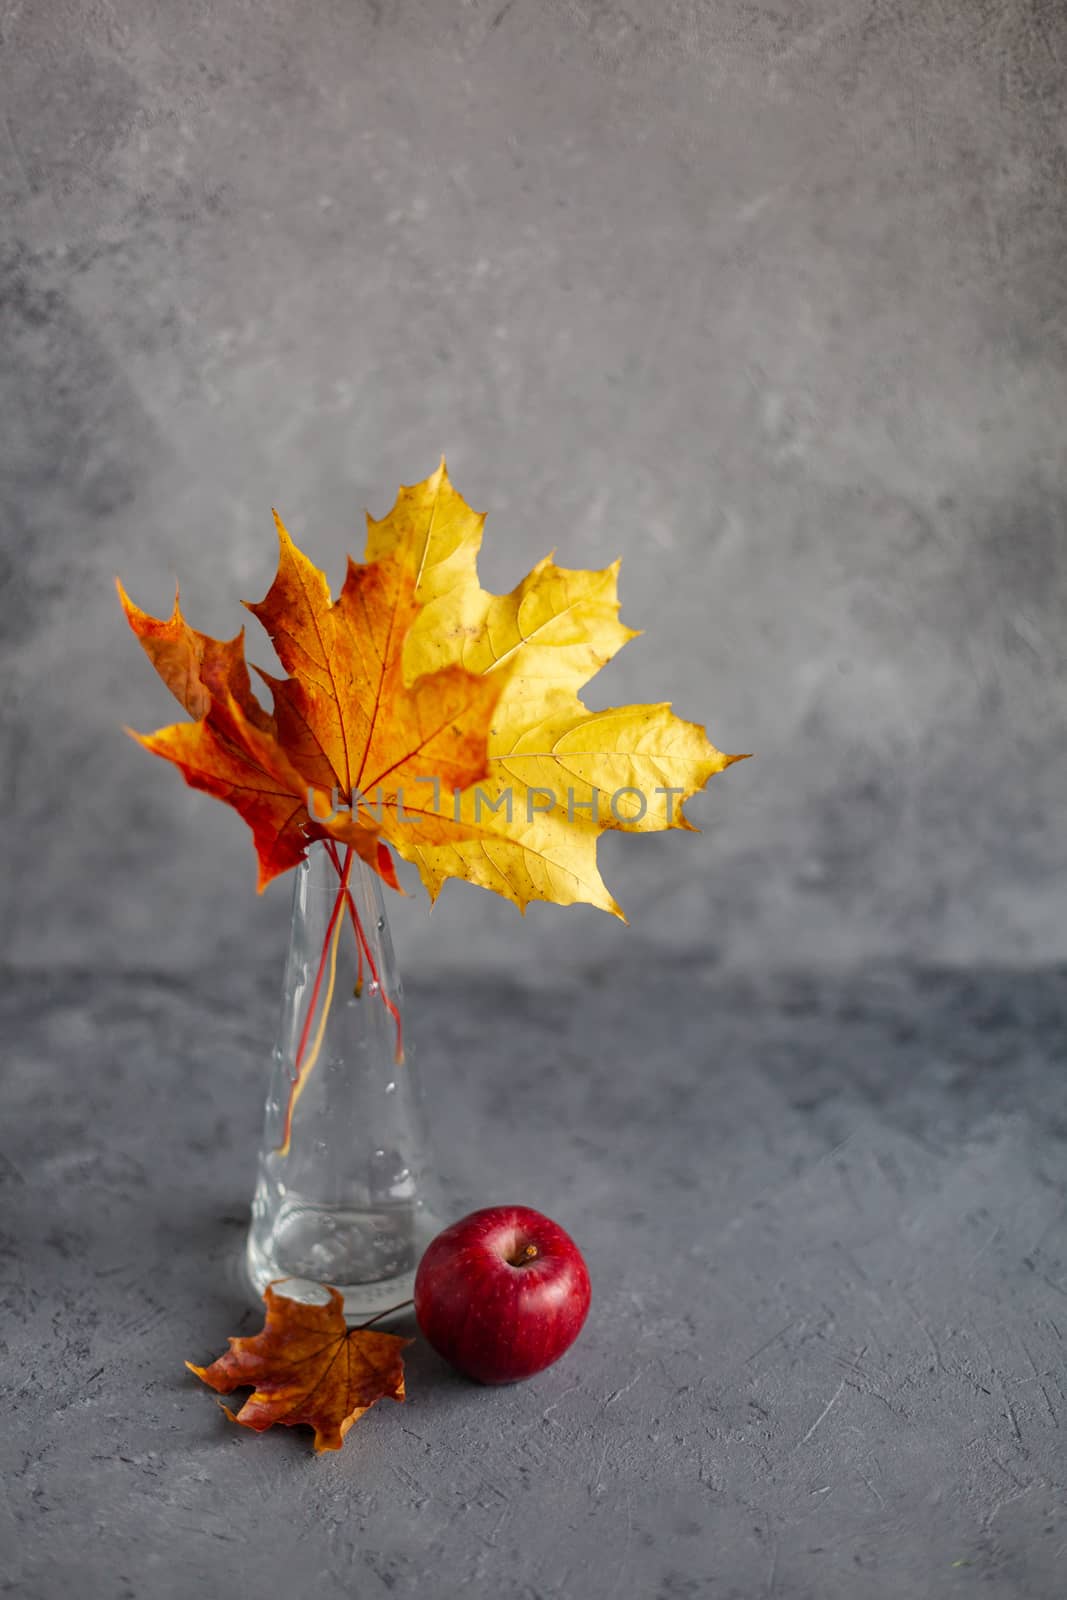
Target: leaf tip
column 132, row 612
column 284, row 538
column 268, row 869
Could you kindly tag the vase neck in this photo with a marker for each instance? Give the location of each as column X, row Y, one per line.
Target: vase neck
column 340, row 953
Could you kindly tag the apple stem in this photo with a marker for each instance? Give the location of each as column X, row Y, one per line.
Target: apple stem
column 527, row 1253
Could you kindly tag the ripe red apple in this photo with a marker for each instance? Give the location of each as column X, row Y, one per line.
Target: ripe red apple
column 502, row 1293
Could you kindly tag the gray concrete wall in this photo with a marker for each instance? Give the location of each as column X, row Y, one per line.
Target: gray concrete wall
column 770, row 300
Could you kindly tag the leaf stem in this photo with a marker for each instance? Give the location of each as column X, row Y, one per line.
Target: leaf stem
column 305, row 1059
column 330, row 943
column 363, row 946
column 388, row 1312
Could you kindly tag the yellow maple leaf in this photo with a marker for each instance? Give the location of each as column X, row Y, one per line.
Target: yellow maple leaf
column 558, row 773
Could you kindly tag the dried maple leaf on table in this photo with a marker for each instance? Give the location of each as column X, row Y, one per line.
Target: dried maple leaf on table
column 308, row 1368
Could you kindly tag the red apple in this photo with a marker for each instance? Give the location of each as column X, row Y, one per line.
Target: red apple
column 502, row 1293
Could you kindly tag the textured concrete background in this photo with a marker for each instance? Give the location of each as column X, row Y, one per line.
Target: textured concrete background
column 768, row 299
column 772, row 300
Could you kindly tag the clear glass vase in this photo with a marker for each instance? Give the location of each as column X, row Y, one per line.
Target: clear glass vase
column 344, row 1194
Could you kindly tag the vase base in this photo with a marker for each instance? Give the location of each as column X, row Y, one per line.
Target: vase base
column 368, row 1256
column 361, row 1301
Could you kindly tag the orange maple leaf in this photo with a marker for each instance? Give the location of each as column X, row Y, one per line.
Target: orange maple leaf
column 346, row 715
column 308, row 1368
column 344, row 718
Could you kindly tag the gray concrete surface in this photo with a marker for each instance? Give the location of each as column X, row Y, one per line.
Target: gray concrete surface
column 826, row 1228
column 770, row 300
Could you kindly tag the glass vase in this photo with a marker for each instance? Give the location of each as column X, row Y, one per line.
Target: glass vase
column 344, row 1195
